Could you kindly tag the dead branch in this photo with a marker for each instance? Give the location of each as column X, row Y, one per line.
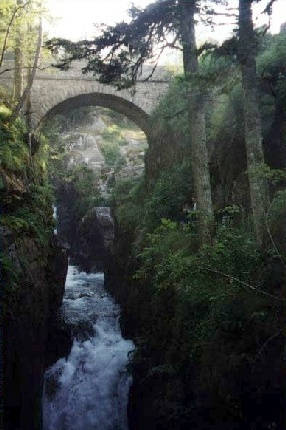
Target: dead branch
column 242, row 283
column 269, row 7
column 26, row 67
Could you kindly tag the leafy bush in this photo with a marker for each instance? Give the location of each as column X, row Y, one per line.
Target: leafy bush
column 33, row 216
column 209, row 314
column 14, row 153
column 111, row 152
column 128, row 198
column 113, row 134
column 172, row 191
column 30, row 211
column 175, row 101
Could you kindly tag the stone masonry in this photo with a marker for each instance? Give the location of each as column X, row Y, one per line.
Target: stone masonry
column 56, row 91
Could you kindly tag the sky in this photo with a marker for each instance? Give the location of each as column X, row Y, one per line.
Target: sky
column 75, row 19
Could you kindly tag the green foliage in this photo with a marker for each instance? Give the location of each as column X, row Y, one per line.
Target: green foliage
column 14, row 223
column 4, row 113
column 13, row 150
column 233, row 252
column 208, row 311
column 273, row 176
column 208, row 315
column 171, row 193
column 20, row 19
column 111, row 153
column 87, row 195
column 113, row 134
column 172, row 109
column 276, row 214
column 128, row 198
column 30, row 212
column 271, row 65
column 130, row 44
column 33, row 217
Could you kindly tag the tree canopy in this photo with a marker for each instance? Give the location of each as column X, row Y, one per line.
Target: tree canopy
column 117, row 54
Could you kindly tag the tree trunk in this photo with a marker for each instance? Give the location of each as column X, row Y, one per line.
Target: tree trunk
column 31, row 78
column 253, row 134
column 197, row 121
column 18, row 72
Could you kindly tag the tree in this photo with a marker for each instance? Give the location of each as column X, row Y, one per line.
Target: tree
column 197, row 121
column 9, row 11
column 18, row 52
column 31, row 76
column 117, row 55
column 21, row 36
column 253, row 133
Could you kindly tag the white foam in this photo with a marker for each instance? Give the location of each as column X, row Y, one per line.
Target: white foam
column 93, row 382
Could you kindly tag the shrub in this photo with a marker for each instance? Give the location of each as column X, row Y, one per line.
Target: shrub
column 14, row 153
column 113, row 134
column 171, row 193
column 209, row 314
column 111, row 152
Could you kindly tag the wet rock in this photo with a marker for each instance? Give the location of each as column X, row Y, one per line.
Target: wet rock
column 29, row 306
column 59, row 340
column 106, row 225
column 94, row 241
column 82, row 330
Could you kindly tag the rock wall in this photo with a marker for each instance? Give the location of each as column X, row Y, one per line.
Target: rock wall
column 33, row 271
column 28, row 311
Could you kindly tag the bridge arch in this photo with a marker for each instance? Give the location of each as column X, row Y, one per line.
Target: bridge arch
column 54, row 90
column 116, row 103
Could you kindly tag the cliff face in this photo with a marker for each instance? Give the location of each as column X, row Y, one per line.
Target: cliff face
column 33, row 271
column 88, row 237
column 95, row 238
column 28, row 309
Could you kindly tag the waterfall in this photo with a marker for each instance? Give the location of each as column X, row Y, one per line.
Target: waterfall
column 89, row 390
column 55, row 216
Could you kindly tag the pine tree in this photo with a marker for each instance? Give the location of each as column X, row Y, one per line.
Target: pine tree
column 197, row 121
column 253, row 133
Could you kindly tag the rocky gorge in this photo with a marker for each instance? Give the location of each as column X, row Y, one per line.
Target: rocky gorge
column 33, row 271
column 144, row 275
column 34, row 258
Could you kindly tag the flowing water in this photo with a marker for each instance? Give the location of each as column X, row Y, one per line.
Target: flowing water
column 89, row 390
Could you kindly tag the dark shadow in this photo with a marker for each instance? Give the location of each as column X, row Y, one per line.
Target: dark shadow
column 118, row 104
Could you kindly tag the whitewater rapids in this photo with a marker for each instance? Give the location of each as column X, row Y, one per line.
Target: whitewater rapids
column 89, row 390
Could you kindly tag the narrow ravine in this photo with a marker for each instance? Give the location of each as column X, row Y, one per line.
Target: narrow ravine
column 89, row 390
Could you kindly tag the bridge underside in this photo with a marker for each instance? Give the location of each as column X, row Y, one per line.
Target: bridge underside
column 118, row 104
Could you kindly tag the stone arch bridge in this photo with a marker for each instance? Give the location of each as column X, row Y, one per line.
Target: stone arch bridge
column 56, row 91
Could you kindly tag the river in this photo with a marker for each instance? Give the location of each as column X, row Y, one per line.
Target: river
column 89, row 390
